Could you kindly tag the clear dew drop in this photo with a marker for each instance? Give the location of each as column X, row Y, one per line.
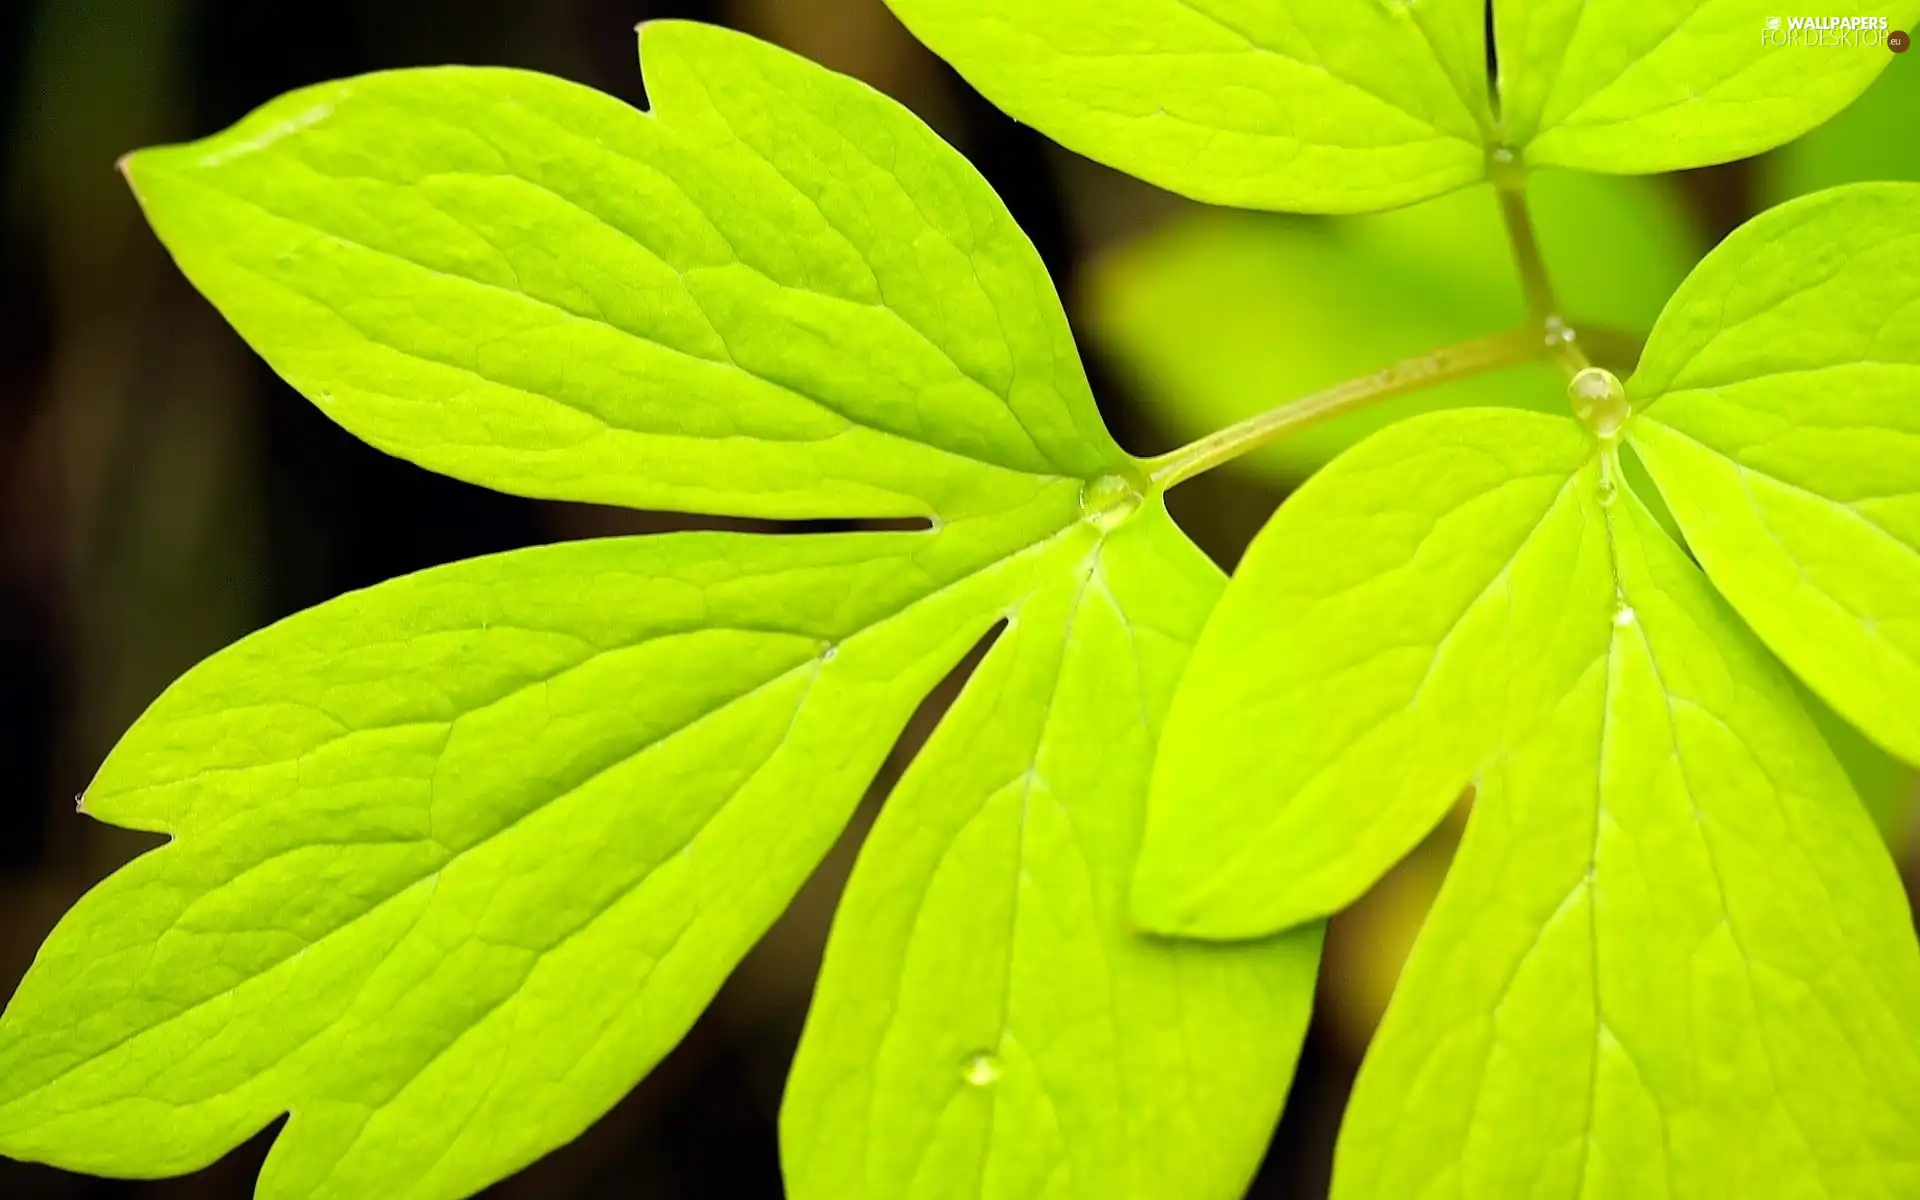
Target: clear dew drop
column 1108, row 500
column 830, row 653
column 1600, row 400
column 1623, row 614
column 1503, row 166
column 980, row 1069
column 1609, row 492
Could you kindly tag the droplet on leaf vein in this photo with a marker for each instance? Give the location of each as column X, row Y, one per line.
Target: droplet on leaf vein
column 980, row 1069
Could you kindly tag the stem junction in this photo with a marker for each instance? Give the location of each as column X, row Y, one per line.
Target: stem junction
column 1546, row 337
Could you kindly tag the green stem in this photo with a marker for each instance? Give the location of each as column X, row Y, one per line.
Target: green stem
column 1526, row 253
column 1563, row 341
column 1525, row 344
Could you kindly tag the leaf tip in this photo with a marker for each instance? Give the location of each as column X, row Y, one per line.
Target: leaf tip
column 135, row 168
column 128, row 167
column 651, row 28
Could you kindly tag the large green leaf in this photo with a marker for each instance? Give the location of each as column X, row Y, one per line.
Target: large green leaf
column 1672, row 958
column 1868, row 141
column 1413, row 610
column 1637, row 86
column 1219, row 316
column 456, row 859
column 781, row 296
column 1778, row 416
column 985, row 1025
column 1289, row 104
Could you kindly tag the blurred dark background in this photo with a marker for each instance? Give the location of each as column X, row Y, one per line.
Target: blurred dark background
column 162, row 493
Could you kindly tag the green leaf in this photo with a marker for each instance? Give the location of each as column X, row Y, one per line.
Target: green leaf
column 1777, row 415
column 1219, row 316
column 1289, row 104
column 1638, row 86
column 780, row 297
column 1672, row 958
column 1870, row 140
column 1412, row 611
column 455, row 860
column 984, row 1024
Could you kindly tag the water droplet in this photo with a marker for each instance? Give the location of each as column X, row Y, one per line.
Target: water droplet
column 1623, row 614
column 1599, row 399
column 1559, row 333
column 980, row 1069
column 1609, row 492
column 1503, row 166
column 830, row 653
column 1108, row 500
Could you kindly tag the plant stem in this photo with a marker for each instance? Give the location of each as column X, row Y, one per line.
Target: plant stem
column 1547, row 336
column 1526, row 253
column 1563, row 341
column 1526, row 344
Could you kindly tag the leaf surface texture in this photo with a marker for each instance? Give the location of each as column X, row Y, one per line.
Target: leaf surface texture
column 1673, row 957
column 1415, row 608
column 455, row 860
column 1778, row 415
column 1287, row 104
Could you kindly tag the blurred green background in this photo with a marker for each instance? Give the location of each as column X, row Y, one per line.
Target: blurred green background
column 161, row 493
